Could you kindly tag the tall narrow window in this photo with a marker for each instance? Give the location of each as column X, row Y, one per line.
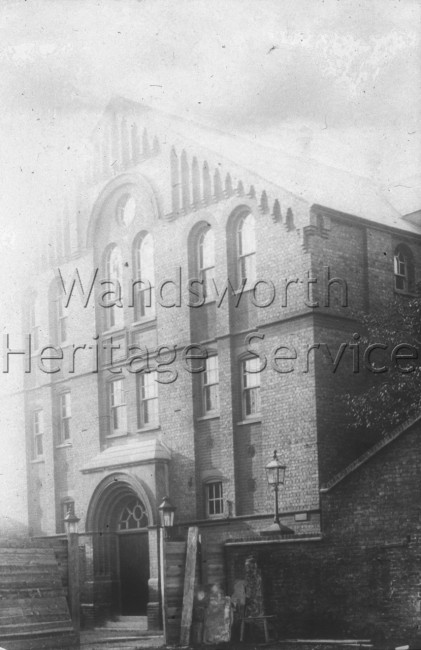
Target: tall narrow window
column 118, row 411
column 210, row 386
column 65, row 416
column 246, row 249
column 38, row 433
column 206, row 258
column 214, row 499
column 114, row 284
column 61, row 319
column 147, row 395
column 404, row 269
column 33, row 324
column 144, row 282
column 251, row 386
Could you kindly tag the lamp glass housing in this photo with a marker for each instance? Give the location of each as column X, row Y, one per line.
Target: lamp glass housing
column 275, row 471
column 71, row 523
column 166, row 513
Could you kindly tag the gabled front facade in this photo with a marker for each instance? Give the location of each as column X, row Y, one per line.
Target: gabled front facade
column 155, row 387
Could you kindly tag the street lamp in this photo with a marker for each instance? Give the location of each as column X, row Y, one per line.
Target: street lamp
column 71, row 521
column 166, row 513
column 166, row 517
column 275, row 473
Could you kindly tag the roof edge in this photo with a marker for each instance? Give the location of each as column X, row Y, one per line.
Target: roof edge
column 370, row 453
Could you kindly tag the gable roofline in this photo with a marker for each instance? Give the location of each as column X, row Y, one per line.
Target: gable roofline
column 370, row 453
column 307, row 180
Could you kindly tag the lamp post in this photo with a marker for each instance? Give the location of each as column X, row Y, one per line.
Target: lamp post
column 166, row 517
column 71, row 526
column 275, row 474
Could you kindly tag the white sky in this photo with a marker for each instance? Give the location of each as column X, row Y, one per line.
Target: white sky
column 336, row 80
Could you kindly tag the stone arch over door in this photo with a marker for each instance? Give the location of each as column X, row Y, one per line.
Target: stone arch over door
column 119, row 521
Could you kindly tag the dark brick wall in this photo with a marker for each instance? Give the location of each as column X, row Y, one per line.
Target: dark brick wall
column 362, row 580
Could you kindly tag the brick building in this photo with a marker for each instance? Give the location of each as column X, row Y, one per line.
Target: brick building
column 287, row 252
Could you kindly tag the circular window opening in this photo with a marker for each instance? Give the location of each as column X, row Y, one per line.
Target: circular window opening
column 126, row 209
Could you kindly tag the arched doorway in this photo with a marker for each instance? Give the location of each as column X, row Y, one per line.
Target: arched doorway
column 133, row 557
column 118, row 518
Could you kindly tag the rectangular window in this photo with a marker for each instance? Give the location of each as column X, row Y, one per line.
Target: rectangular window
column 214, row 499
column 147, row 400
column 210, row 385
column 118, row 407
column 65, row 416
column 38, row 433
column 251, row 386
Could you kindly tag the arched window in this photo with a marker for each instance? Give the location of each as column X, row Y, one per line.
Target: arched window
column 246, row 249
column 206, row 261
column 144, row 282
column 403, row 269
column 113, row 289
column 126, row 209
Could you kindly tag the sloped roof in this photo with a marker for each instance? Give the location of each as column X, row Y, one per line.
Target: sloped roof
column 307, row 179
column 370, row 453
column 138, row 452
column 405, row 195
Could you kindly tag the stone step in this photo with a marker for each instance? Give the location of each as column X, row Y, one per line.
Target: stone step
column 100, row 638
column 139, row 621
column 110, row 632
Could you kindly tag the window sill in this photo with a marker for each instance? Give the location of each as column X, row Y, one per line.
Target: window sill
column 117, row 435
column 155, row 427
column 35, row 461
column 401, row 292
column 215, row 517
column 209, row 416
column 246, row 289
column 63, row 445
column 144, row 322
column 114, row 330
column 116, row 363
column 252, row 420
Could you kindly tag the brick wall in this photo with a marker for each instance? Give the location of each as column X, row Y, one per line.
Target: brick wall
column 362, row 579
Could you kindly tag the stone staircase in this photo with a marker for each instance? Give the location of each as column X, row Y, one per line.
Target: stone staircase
column 33, row 606
column 124, row 633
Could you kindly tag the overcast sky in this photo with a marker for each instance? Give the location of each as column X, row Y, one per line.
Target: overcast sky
column 336, row 80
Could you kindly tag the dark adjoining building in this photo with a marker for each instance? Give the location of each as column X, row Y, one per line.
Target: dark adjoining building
column 241, row 270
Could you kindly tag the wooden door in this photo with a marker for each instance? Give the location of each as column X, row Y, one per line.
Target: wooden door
column 134, row 573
